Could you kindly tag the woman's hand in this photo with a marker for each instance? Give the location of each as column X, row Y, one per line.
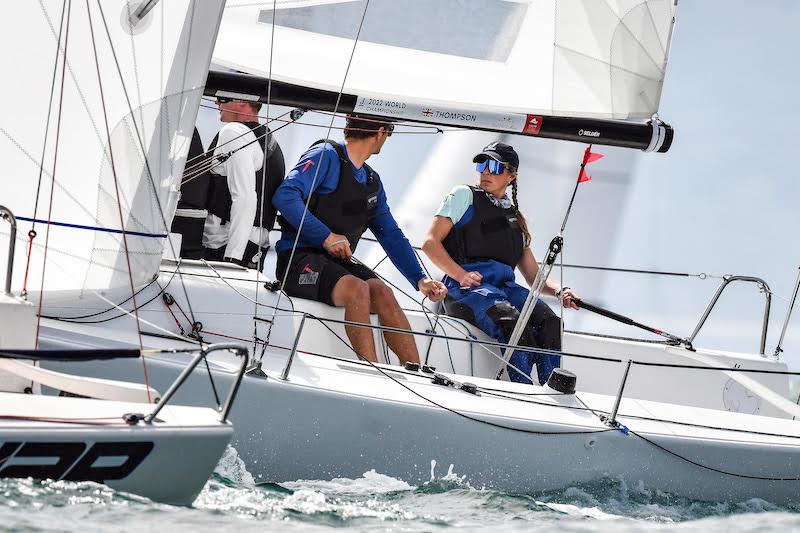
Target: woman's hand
column 470, row 279
column 432, row 289
column 568, row 297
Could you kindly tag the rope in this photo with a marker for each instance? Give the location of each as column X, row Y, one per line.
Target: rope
column 454, row 411
column 93, row 228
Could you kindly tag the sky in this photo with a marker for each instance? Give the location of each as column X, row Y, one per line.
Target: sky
column 723, row 200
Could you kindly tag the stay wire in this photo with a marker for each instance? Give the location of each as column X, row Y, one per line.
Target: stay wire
column 119, row 202
column 32, row 232
column 258, row 255
column 316, row 172
column 53, row 179
column 140, row 139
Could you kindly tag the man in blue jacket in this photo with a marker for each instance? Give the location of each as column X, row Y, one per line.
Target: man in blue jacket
column 346, row 199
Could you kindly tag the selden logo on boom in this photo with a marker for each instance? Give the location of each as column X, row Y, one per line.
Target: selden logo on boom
column 588, row 133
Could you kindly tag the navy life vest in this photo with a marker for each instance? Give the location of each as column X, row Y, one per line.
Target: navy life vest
column 268, row 178
column 349, row 209
column 492, row 233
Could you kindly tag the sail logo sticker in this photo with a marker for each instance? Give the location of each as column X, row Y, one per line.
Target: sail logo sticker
column 308, row 276
column 533, row 124
column 588, row 133
column 453, row 116
column 379, row 106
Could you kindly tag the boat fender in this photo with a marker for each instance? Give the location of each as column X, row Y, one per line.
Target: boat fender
column 412, row 366
column 439, row 379
column 562, row 381
column 470, row 388
column 428, row 369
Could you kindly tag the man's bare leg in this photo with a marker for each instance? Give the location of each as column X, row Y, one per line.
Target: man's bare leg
column 353, row 294
column 390, row 314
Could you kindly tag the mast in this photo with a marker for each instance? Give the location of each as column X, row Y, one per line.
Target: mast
column 653, row 135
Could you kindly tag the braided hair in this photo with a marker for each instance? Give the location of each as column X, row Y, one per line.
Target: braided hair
column 523, row 224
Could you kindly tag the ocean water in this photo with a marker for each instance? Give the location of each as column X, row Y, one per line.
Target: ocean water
column 231, row 500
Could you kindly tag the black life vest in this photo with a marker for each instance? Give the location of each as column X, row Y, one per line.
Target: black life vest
column 268, row 178
column 492, row 233
column 349, row 209
column 194, row 187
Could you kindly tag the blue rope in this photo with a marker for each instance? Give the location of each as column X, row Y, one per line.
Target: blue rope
column 93, row 228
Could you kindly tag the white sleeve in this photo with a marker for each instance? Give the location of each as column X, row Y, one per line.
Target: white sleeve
column 240, row 171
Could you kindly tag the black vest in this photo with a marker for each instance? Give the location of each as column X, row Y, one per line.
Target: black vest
column 195, row 183
column 349, row 209
column 492, row 233
column 219, row 198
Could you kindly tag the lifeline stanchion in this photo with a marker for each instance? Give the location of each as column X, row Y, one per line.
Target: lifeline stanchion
column 612, row 420
column 778, row 348
column 6, row 214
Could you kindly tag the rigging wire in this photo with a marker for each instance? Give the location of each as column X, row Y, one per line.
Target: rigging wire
column 316, row 172
column 262, row 197
column 32, row 232
column 140, row 139
column 116, row 187
column 55, row 161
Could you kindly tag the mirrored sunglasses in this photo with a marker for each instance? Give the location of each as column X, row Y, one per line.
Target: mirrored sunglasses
column 494, row 166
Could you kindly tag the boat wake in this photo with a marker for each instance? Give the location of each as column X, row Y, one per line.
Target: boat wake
column 232, row 499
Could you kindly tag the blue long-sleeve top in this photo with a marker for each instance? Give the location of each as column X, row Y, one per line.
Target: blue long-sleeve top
column 322, row 161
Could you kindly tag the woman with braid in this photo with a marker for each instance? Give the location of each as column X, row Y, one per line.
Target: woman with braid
column 477, row 238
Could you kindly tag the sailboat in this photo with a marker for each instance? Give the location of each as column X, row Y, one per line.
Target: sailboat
column 78, row 136
column 573, row 70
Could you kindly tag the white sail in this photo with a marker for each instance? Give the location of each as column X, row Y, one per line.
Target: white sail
column 581, row 58
column 100, row 111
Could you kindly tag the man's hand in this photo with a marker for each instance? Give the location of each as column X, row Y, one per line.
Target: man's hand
column 337, row 246
column 568, row 298
column 432, row 289
column 470, row 279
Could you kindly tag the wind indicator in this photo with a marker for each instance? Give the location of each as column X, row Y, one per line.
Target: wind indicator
column 588, row 158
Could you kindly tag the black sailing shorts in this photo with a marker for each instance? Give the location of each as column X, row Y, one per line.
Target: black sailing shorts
column 313, row 274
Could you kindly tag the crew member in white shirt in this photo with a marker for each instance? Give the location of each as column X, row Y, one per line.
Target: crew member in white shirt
column 239, row 220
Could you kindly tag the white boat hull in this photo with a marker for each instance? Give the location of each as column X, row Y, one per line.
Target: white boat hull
column 80, row 439
column 336, row 417
column 340, row 419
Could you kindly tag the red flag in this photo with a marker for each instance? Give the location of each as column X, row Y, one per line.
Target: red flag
column 588, row 157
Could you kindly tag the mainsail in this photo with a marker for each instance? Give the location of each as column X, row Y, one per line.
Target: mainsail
column 504, row 65
column 98, row 109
